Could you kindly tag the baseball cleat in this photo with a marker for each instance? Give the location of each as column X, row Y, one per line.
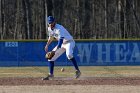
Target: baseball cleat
column 77, row 74
column 49, row 77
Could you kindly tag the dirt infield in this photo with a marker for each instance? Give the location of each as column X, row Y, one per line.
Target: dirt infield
column 120, row 79
column 69, row 81
column 70, row 89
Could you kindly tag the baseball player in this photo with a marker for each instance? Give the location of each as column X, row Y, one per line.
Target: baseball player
column 65, row 44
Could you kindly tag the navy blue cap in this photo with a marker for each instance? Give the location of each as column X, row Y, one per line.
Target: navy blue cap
column 50, row 19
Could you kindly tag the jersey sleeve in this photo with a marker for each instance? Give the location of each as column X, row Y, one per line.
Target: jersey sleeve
column 62, row 32
column 49, row 32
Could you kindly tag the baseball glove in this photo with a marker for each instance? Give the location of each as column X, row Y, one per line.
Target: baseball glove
column 50, row 54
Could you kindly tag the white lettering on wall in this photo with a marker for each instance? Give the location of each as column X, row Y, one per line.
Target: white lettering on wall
column 121, row 52
column 84, row 51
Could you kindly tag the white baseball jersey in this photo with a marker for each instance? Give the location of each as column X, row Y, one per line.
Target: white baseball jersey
column 68, row 43
column 59, row 31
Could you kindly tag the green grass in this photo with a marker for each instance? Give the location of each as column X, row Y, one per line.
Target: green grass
column 87, row 71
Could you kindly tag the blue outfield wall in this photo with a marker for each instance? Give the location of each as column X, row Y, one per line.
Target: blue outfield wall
column 87, row 53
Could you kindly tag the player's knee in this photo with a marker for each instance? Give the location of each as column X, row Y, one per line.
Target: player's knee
column 50, row 60
column 69, row 56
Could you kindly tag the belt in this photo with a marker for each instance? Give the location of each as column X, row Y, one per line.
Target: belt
column 68, row 41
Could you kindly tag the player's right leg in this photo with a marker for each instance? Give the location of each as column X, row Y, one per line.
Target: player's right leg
column 58, row 53
column 51, row 69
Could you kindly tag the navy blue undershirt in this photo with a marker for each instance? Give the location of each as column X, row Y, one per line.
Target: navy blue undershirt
column 60, row 41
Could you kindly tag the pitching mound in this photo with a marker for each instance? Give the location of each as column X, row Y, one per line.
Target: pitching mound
column 71, row 81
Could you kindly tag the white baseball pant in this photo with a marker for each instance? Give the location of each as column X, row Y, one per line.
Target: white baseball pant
column 68, row 47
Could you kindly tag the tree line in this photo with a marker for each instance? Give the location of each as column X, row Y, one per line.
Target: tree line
column 84, row 19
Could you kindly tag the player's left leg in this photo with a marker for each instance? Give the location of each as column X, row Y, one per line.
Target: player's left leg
column 69, row 52
column 73, row 60
column 77, row 72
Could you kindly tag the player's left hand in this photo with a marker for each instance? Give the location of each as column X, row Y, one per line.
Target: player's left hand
column 50, row 54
